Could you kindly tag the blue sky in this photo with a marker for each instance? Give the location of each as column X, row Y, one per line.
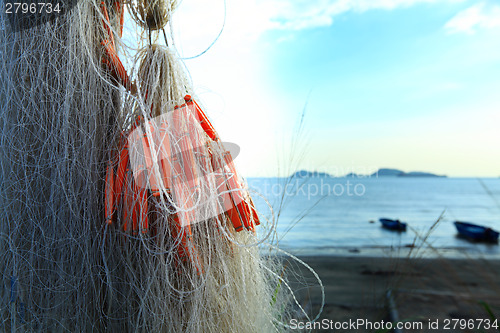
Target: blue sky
column 408, row 84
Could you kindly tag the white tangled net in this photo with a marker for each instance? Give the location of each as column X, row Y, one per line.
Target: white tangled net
column 63, row 266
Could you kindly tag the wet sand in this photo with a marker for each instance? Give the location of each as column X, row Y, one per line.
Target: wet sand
column 425, row 291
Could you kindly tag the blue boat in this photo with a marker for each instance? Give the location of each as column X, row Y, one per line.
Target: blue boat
column 476, row 232
column 395, row 225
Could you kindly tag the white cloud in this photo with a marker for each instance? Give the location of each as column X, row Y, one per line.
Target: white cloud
column 250, row 18
column 473, row 18
column 198, row 22
column 304, row 14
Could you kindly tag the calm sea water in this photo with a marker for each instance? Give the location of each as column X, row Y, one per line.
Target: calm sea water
column 328, row 215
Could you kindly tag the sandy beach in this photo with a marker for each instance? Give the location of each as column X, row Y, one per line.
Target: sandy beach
column 431, row 295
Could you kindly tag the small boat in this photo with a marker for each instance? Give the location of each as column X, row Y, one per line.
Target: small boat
column 396, row 225
column 476, row 232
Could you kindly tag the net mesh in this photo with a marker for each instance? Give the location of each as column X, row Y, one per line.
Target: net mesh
column 161, row 251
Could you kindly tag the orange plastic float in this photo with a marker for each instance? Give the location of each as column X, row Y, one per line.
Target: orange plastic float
column 181, row 164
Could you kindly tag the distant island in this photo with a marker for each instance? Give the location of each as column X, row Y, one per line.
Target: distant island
column 307, row 174
column 386, row 172
column 383, row 172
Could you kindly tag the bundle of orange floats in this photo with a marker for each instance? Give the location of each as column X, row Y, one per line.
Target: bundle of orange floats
column 170, row 160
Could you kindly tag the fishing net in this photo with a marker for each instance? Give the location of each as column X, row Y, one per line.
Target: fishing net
column 121, row 209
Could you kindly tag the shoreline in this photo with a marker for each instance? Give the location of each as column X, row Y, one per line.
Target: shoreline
column 398, row 252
